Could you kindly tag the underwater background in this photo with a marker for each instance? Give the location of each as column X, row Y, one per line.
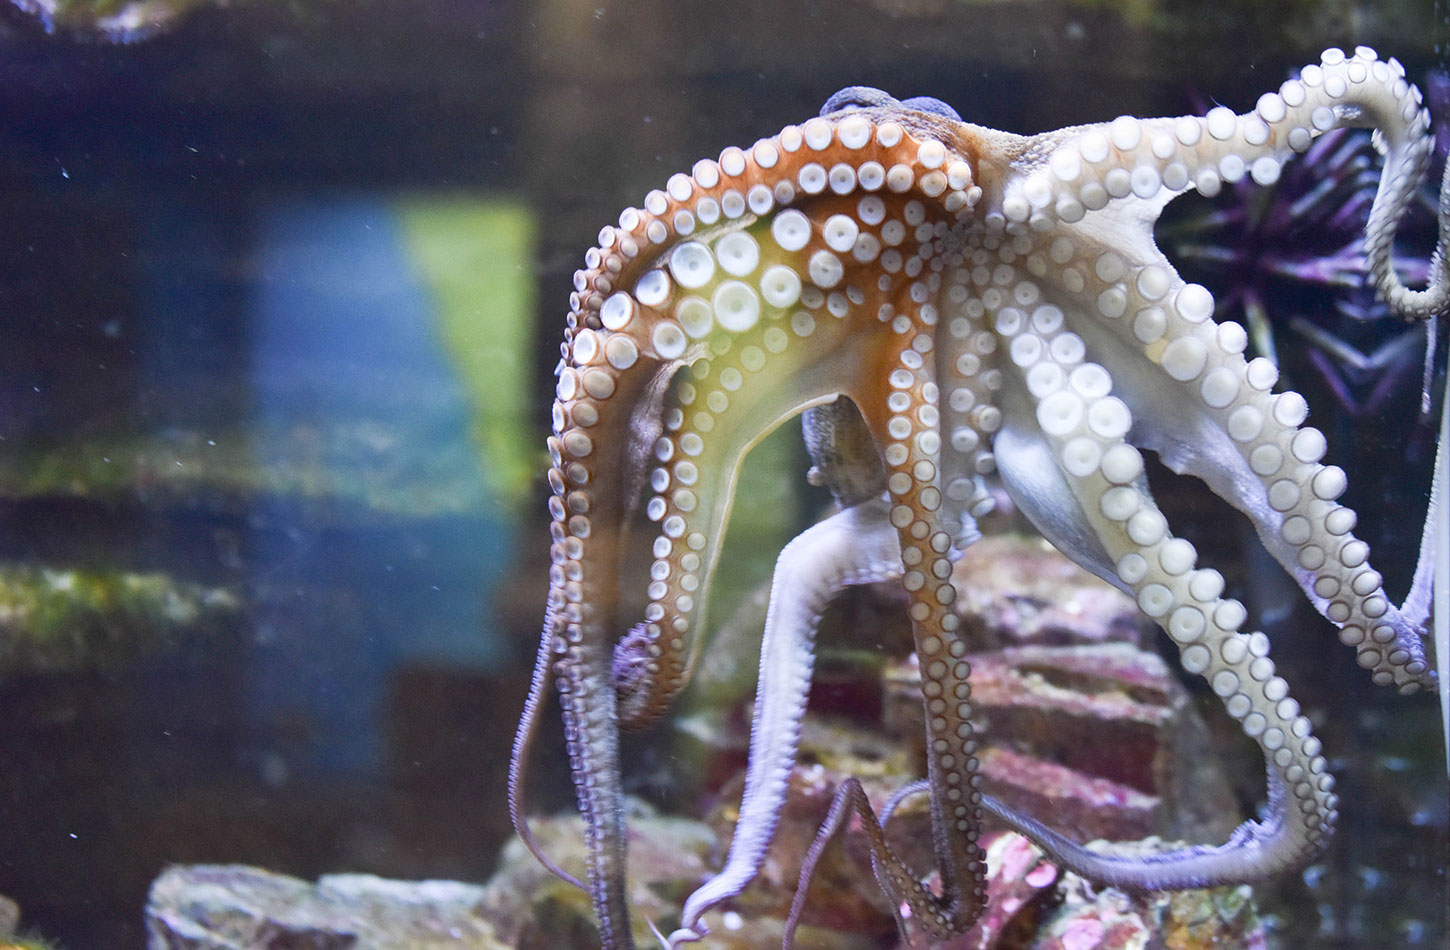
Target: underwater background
column 282, row 284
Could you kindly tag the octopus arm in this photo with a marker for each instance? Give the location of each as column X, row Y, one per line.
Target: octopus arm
column 1194, row 399
column 1065, row 448
column 518, row 774
column 1325, row 559
column 694, row 486
column 854, row 546
column 1160, row 571
column 722, row 276
column 1437, row 543
column 1255, row 851
column 591, row 460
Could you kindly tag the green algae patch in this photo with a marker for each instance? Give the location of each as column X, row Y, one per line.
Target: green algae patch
column 475, row 256
column 384, row 468
column 55, row 619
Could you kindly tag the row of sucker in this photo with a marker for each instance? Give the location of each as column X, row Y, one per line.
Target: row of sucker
column 712, row 274
column 1312, row 532
column 729, row 261
column 1071, row 174
column 1298, row 511
column 907, row 426
column 1087, row 427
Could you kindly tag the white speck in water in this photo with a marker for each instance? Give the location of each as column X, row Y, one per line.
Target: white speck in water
column 274, row 770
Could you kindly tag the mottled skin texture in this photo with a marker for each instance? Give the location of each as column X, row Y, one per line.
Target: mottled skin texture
column 993, row 306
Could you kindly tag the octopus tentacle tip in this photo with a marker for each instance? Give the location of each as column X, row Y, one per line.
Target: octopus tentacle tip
column 666, row 943
column 955, row 308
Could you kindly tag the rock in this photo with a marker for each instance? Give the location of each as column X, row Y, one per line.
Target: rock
column 1019, row 892
column 1017, row 590
column 843, row 892
column 118, row 22
column 9, row 916
column 1090, row 918
column 1024, row 911
column 60, row 619
column 1084, row 806
column 669, row 857
column 1013, row 590
column 235, row 907
column 1101, row 738
column 532, row 909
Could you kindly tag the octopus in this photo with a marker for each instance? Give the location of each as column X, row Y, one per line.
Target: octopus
column 952, row 307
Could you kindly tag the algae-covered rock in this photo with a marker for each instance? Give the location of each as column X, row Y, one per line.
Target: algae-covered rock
column 119, row 21
column 1017, row 590
column 57, row 619
column 26, row 943
column 668, row 858
column 1108, row 919
column 229, row 907
column 9, row 917
column 116, row 20
column 531, row 908
column 376, row 466
column 10, row 924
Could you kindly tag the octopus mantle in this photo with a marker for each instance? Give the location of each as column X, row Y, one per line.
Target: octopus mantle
column 953, row 304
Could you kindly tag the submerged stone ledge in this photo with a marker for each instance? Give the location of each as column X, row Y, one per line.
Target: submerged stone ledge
column 228, row 907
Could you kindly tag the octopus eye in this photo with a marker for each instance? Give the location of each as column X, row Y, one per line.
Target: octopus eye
column 857, row 97
column 934, row 106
